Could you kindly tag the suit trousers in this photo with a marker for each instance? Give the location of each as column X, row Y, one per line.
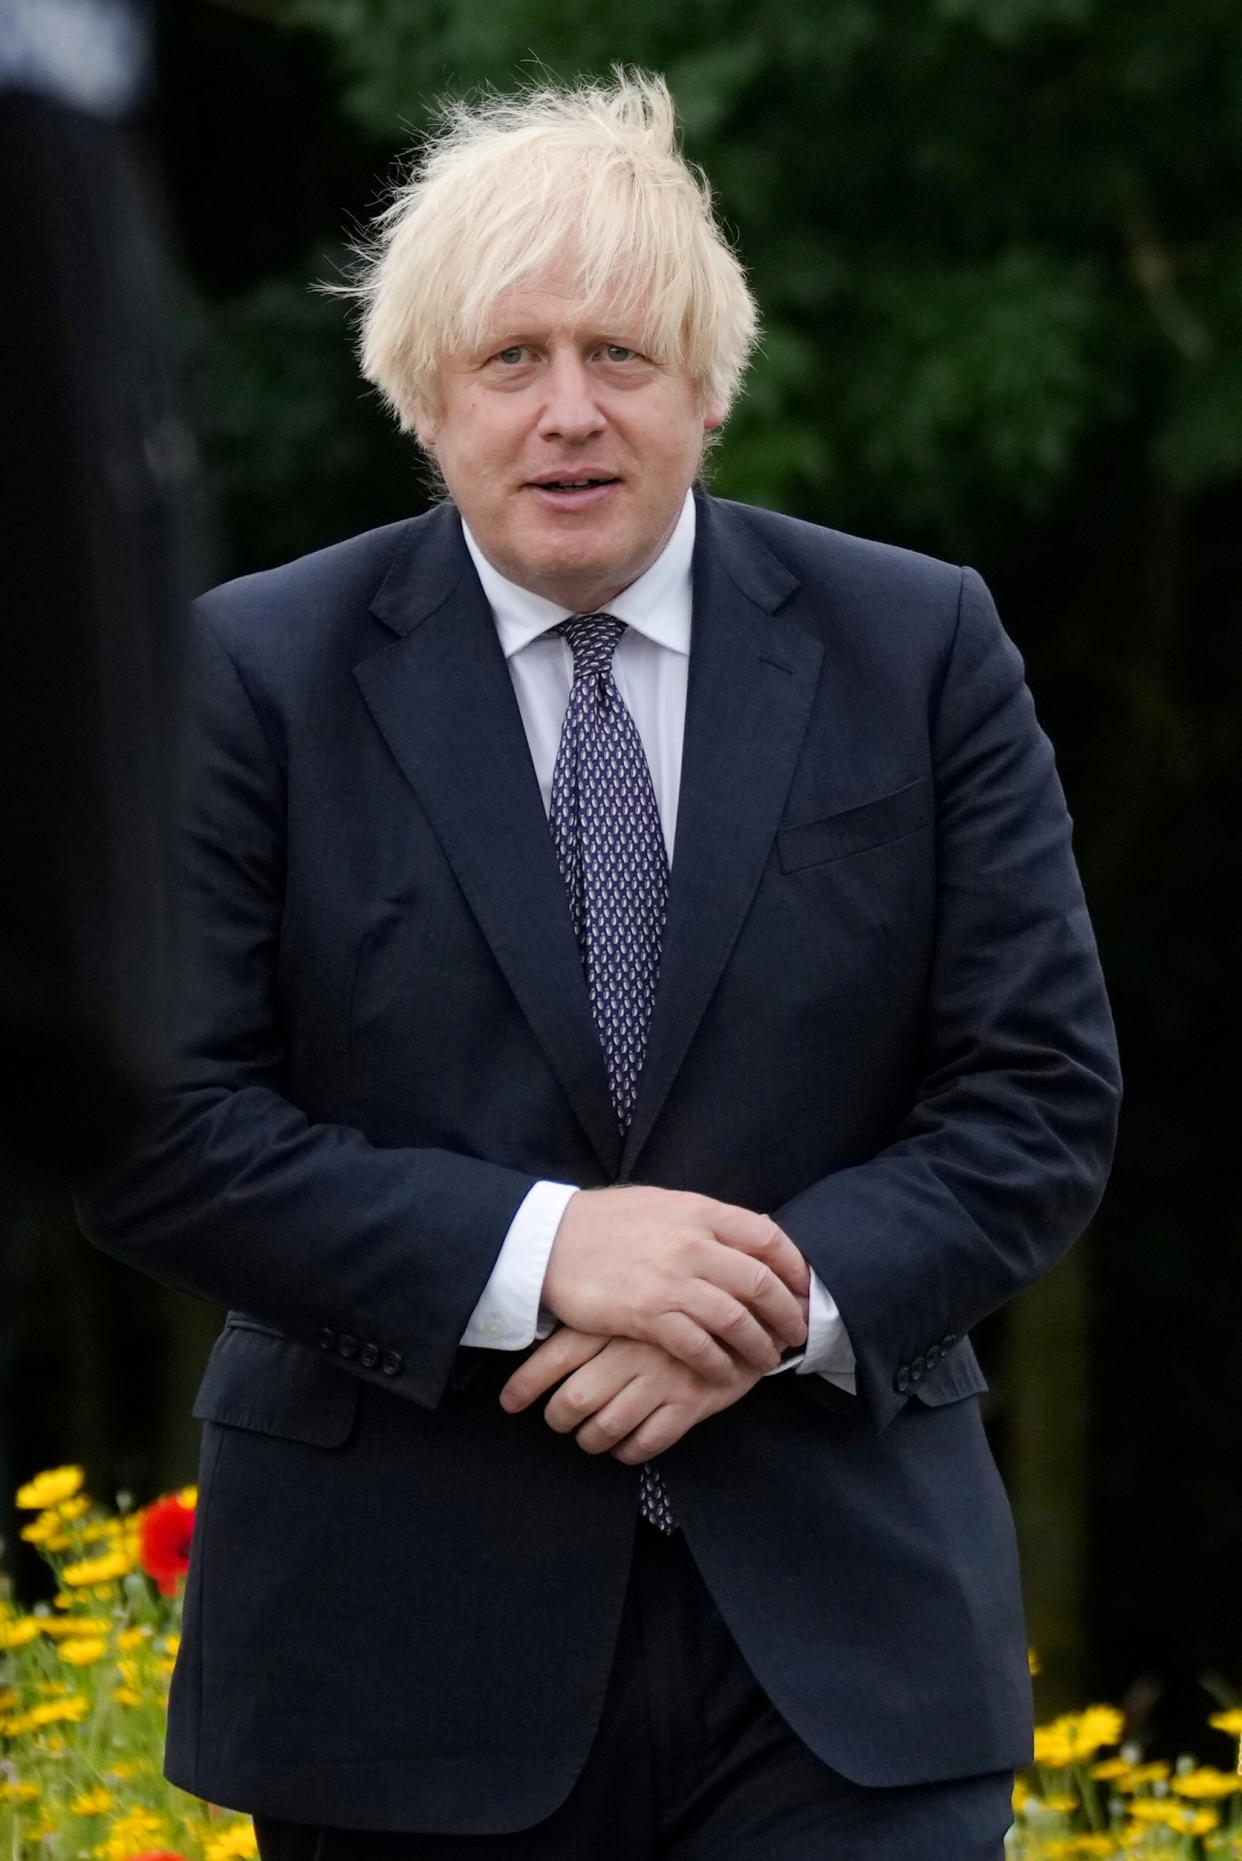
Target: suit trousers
column 691, row 1762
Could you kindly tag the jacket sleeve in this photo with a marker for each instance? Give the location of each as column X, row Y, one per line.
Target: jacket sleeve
column 1003, row 1155
column 378, row 1255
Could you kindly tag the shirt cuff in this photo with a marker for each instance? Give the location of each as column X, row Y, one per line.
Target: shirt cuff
column 508, row 1315
column 828, row 1351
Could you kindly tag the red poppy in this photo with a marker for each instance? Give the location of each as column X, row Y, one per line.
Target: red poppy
column 158, row 1854
column 164, row 1552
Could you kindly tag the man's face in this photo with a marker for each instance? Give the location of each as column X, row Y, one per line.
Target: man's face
column 567, row 450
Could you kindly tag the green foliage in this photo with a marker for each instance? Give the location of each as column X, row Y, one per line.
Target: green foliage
column 981, row 231
column 301, row 451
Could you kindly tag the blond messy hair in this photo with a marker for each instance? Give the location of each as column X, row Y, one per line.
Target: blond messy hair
column 586, row 184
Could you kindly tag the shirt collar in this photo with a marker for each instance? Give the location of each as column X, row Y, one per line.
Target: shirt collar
column 657, row 605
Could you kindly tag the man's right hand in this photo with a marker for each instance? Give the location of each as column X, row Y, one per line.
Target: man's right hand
column 682, row 1271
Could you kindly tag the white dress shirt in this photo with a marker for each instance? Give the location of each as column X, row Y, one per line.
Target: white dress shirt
column 651, row 664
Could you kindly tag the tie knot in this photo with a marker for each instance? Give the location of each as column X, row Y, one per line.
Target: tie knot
column 592, row 641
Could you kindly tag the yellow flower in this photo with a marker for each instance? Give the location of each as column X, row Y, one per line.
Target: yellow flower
column 1080, row 1847
column 1158, row 1809
column 48, row 1489
column 124, row 1769
column 172, row 1645
column 131, row 1835
column 131, row 1638
column 1062, row 1803
column 236, row 1843
column 1230, row 1721
column 69, row 1711
column 1206, row 1782
column 47, row 1530
column 12, row 1791
column 92, row 1803
column 1168, row 1813
column 74, row 1508
column 1052, row 1747
column 1140, row 1774
column 189, row 1496
column 1077, row 1736
column 1100, row 1725
column 65, row 1627
column 83, row 1651
column 99, row 1570
column 1108, row 1768
column 8, row 1699
column 16, row 1633
column 1034, row 1665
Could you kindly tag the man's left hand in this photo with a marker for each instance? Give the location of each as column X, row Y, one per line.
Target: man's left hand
column 622, row 1396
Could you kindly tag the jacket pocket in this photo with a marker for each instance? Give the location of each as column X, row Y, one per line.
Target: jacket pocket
column 855, row 830
column 257, row 1378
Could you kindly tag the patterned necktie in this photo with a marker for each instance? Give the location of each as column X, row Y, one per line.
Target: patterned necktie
column 606, row 831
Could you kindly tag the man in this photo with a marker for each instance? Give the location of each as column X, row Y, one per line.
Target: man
column 466, row 1064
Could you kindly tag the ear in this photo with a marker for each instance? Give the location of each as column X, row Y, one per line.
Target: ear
column 714, row 416
column 426, row 429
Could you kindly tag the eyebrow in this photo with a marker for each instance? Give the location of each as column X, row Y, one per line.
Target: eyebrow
column 513, row 339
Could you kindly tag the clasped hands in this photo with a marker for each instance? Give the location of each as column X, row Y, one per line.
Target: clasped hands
column 672, row 1306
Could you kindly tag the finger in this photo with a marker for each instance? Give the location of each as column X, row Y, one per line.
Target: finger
column 589, row 1388
column 759, row 1236
column 662, row 1428
column 565, row 1351
column 682, row 1337
column 618, row 1418
column 756, row 1287
column 730, row 1324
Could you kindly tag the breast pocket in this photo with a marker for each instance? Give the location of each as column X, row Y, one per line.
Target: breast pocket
column 869, row 824
column 260, row 1380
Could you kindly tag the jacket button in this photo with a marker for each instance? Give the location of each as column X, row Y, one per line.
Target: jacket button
column 933, row 1356
column 918, row 1369
column 327, row 1339
column 368, row 1356
column 901, row 1382
column 346, row 1345
column 948, row 1340
column 392, row 1363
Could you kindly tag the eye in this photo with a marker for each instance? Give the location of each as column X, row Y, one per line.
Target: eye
column 617, row 352
column 515, row 353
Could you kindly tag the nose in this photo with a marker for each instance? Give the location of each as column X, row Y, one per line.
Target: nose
column 570, row 408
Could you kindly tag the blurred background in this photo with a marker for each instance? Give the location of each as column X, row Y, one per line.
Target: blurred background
column 998, row 247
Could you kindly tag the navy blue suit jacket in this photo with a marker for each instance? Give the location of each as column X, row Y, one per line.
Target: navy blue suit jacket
column 880, row 1017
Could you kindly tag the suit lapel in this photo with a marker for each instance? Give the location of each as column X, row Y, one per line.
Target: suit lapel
column 442, row 697
column 752, row 682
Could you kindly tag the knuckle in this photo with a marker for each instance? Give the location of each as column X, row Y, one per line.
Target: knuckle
column 735, row 1320
column 763, row 1279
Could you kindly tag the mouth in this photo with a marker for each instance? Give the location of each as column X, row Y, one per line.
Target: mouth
column 576, row 492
